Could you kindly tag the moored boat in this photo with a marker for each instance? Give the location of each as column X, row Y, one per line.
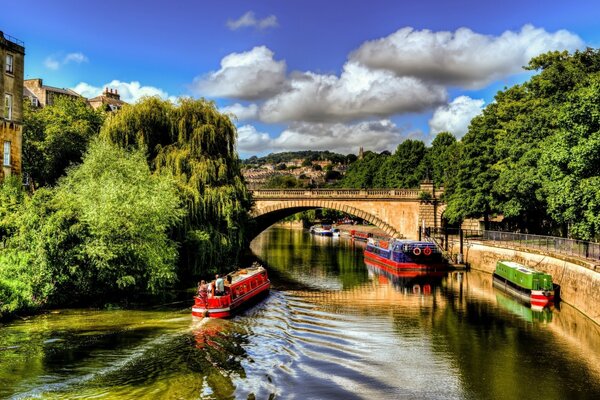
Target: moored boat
column 321, row 230
column 526, row 283
column 396, row 254
column 241, row 288
column 358, row 235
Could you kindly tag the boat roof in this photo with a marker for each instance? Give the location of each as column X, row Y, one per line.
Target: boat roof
column 244, row 273
column 518, row 267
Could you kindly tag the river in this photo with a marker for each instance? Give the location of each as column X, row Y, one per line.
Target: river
column 331, row 328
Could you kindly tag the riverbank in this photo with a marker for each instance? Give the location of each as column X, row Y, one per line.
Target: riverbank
column 579, row 281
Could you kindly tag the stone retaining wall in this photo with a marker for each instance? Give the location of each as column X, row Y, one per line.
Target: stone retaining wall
column 579, row 284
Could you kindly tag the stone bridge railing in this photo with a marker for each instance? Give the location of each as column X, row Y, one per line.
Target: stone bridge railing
column 409, row 194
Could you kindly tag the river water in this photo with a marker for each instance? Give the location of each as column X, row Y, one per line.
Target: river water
column 331, row 328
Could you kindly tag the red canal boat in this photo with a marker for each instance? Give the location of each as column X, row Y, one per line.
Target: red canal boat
column 241, row 287
column 395, row 255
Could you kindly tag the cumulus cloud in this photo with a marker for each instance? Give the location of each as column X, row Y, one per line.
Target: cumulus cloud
column 456, row 116
column 357, row 93
column 250, row 75
column 130, row 91
column 249, row 20
column 242, row 112
column 463, row 58
column 338, row 137
column 251, row 140
column 54, row 62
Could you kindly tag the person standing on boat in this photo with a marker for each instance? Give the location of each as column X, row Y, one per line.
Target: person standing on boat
column 220, row 286
column 210, row 289
column 203, row 291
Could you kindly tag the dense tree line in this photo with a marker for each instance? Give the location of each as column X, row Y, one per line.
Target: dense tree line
column 119, row 204
column 532, row 156
column 411, row 163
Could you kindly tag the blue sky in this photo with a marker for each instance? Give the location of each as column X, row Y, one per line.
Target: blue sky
column 300, row 75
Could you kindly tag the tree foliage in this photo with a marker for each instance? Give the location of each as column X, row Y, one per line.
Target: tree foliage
column 56, row 136
column 102, row 231
column 195, row 144
column 532, row 155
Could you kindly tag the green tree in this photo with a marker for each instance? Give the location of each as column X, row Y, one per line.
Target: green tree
column 102, row 233
column 570, row 162
column 441, row 158
column 361, row 173
column 406, row 168
column 56, row 136
column 195, row 144
column 282, row 182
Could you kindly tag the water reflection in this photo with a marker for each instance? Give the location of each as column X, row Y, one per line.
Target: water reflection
column 415, row 281
column 331, row 328
column 527, row 312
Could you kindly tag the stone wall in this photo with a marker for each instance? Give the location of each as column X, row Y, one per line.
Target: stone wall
column 396, row 218
column 579, row 281
column 398, row 212
column 11, row 130
column 13, row 133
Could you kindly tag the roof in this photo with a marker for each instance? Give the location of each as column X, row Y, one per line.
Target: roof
column 107, row 100
column 68, row 92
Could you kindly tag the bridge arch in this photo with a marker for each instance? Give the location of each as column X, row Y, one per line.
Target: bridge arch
column 269, row 215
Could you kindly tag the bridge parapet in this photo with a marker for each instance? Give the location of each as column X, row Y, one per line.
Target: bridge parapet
column 375, row 194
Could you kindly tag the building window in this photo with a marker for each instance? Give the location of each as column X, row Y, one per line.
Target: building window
column 35, row 102
column 8, row 106
column 7, row 154
column 9, row 63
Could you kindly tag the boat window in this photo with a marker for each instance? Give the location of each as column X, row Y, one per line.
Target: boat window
column 252, row 284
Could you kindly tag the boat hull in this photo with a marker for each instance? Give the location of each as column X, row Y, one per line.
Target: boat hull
column 538, row 298
column 395, row 266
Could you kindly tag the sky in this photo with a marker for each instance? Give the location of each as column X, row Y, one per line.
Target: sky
column 303, row 75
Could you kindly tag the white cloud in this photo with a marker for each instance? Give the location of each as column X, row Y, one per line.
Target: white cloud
column 241, row 112
column 250, row 140
column 342, row 138
column 456, row 116
column 250, row 75
column 249, row 20
column 130, row 91
column 463, row 58
column 357, row 93
column 77, row 58
column 53, row 63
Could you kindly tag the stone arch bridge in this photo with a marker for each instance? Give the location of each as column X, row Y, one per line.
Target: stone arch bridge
column 398, row 212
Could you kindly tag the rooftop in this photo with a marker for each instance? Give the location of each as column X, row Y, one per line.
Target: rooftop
column 12, row 39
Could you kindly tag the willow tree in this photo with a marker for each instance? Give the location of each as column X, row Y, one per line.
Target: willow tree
column 196, row 145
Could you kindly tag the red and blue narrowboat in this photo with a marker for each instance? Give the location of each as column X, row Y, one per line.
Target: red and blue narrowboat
column 395, row 254
column 241, row 288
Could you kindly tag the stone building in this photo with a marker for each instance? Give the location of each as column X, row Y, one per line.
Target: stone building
column 109, row 100
column 42, row 95
column 12, row 66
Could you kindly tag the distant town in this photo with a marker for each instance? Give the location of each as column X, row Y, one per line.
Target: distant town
column 309, row 169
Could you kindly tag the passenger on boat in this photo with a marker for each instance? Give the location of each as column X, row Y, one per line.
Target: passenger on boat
column 203, row 290
column 220, row 286
column 211, row 289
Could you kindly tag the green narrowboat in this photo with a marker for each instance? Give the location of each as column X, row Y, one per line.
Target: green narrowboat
column 524, row 282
